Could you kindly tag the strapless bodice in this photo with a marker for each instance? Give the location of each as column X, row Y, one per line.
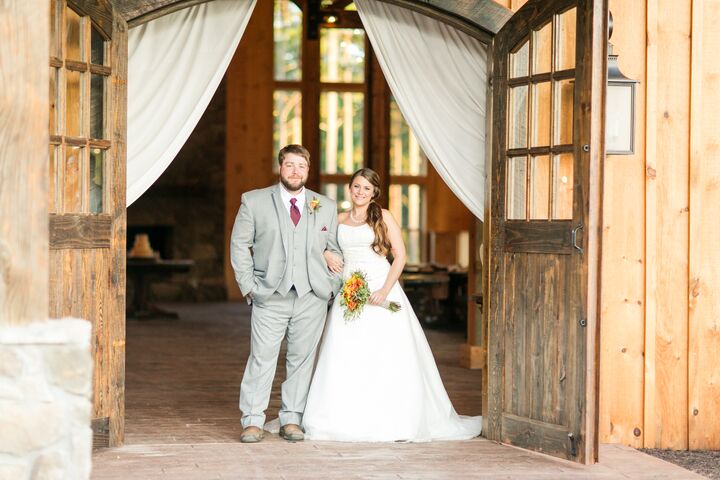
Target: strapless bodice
column 356, row 245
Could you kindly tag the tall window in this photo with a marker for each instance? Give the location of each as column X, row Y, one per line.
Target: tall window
column 338, row 67
column 287, row 96
column 335, row 72
column 342, row 108
column 79, row 71
column 408, row 171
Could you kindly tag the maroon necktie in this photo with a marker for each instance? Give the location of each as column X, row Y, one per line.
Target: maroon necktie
column 294, row 211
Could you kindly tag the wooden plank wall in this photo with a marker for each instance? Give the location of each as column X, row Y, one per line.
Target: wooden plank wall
column 667, row 161
column 623, row 259
column 704, row 268
column 24, row 51
column 661, row 265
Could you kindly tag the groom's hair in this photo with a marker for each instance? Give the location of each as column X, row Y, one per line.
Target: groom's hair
column 296, row 149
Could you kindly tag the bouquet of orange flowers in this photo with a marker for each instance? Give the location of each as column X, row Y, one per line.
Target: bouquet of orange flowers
column 355, row 294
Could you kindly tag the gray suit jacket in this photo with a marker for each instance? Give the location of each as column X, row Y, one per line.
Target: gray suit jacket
column 260, row 240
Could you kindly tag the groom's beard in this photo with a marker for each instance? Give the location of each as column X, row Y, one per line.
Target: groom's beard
column 292, row 187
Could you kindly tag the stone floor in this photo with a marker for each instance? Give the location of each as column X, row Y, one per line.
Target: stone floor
column 182, row 380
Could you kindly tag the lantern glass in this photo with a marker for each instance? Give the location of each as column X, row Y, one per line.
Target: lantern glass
column 619, row 118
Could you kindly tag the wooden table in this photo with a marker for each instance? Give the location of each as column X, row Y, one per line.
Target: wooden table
column 142, row 272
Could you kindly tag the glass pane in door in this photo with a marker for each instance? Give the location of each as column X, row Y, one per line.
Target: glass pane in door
column 73, row 103
column 540, row 188
column 518, row 117
column 54, row 30
column 542, row 49
column 563, row 116
column 72, row 192
column 97, row 47
column 562, row 186
column 565, row 42
column 96, row 182
column 540, row 133
column 73, row 35
column 52, row 180
column 516, row 188
column 97, row 103
column 54, row 78
column 519, row 61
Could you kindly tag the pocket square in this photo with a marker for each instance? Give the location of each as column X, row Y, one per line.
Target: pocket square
column 324, row 229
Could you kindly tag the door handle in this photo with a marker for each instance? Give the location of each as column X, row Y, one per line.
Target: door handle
column 574, row 237
column 573, row 444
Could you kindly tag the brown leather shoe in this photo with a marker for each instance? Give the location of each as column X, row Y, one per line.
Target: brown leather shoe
column 292, row 433
column 251, row 435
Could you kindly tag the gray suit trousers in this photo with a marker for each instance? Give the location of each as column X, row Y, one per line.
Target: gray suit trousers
column 274, row 317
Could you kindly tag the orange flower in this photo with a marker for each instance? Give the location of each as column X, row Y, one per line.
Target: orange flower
column 314, row 204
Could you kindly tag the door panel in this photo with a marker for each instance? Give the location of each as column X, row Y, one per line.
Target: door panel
column 548, row 89
column 87, row 193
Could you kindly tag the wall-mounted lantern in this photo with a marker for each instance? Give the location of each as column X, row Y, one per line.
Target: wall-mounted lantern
column 619, row 107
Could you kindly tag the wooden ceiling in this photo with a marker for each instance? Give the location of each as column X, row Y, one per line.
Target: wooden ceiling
column 478, row 17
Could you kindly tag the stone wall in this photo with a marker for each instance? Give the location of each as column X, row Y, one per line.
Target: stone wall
column 45, row 400
column 188, row 200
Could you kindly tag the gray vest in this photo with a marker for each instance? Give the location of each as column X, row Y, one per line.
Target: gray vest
column 296, row 268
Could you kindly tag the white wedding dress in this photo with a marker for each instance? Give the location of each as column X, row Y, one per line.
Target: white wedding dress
column 376, row 378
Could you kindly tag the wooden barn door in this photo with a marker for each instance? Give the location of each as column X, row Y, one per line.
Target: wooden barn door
column 88, row 59
column 547, row 146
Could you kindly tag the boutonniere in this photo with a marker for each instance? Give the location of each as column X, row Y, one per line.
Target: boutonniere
column 314, row 205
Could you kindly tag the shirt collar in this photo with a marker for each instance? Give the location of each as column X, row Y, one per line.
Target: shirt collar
column 286, row 196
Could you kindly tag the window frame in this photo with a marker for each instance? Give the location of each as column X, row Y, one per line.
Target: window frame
column 100, row 20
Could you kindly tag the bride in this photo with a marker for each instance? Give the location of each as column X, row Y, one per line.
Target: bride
column 376, row 379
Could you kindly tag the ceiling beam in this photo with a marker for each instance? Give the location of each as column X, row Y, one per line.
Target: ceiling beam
column 479, row 18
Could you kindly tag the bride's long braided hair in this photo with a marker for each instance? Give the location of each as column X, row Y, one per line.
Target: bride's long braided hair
column 381, row 245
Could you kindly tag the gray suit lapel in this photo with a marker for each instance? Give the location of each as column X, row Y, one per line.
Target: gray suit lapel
column 311, row 216
column 281, row 214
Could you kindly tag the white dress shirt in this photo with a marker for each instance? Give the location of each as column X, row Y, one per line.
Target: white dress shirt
column 300, row 204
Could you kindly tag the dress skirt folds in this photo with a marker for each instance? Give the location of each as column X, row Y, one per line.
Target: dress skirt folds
column 376, row 379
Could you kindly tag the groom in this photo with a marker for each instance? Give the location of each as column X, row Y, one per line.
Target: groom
column 277, row 246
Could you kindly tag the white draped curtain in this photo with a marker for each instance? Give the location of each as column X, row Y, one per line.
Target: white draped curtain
column 438, row 76
column 175, row 64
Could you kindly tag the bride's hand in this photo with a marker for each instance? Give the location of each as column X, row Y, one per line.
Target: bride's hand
column 334, row 262
column 378, row 297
